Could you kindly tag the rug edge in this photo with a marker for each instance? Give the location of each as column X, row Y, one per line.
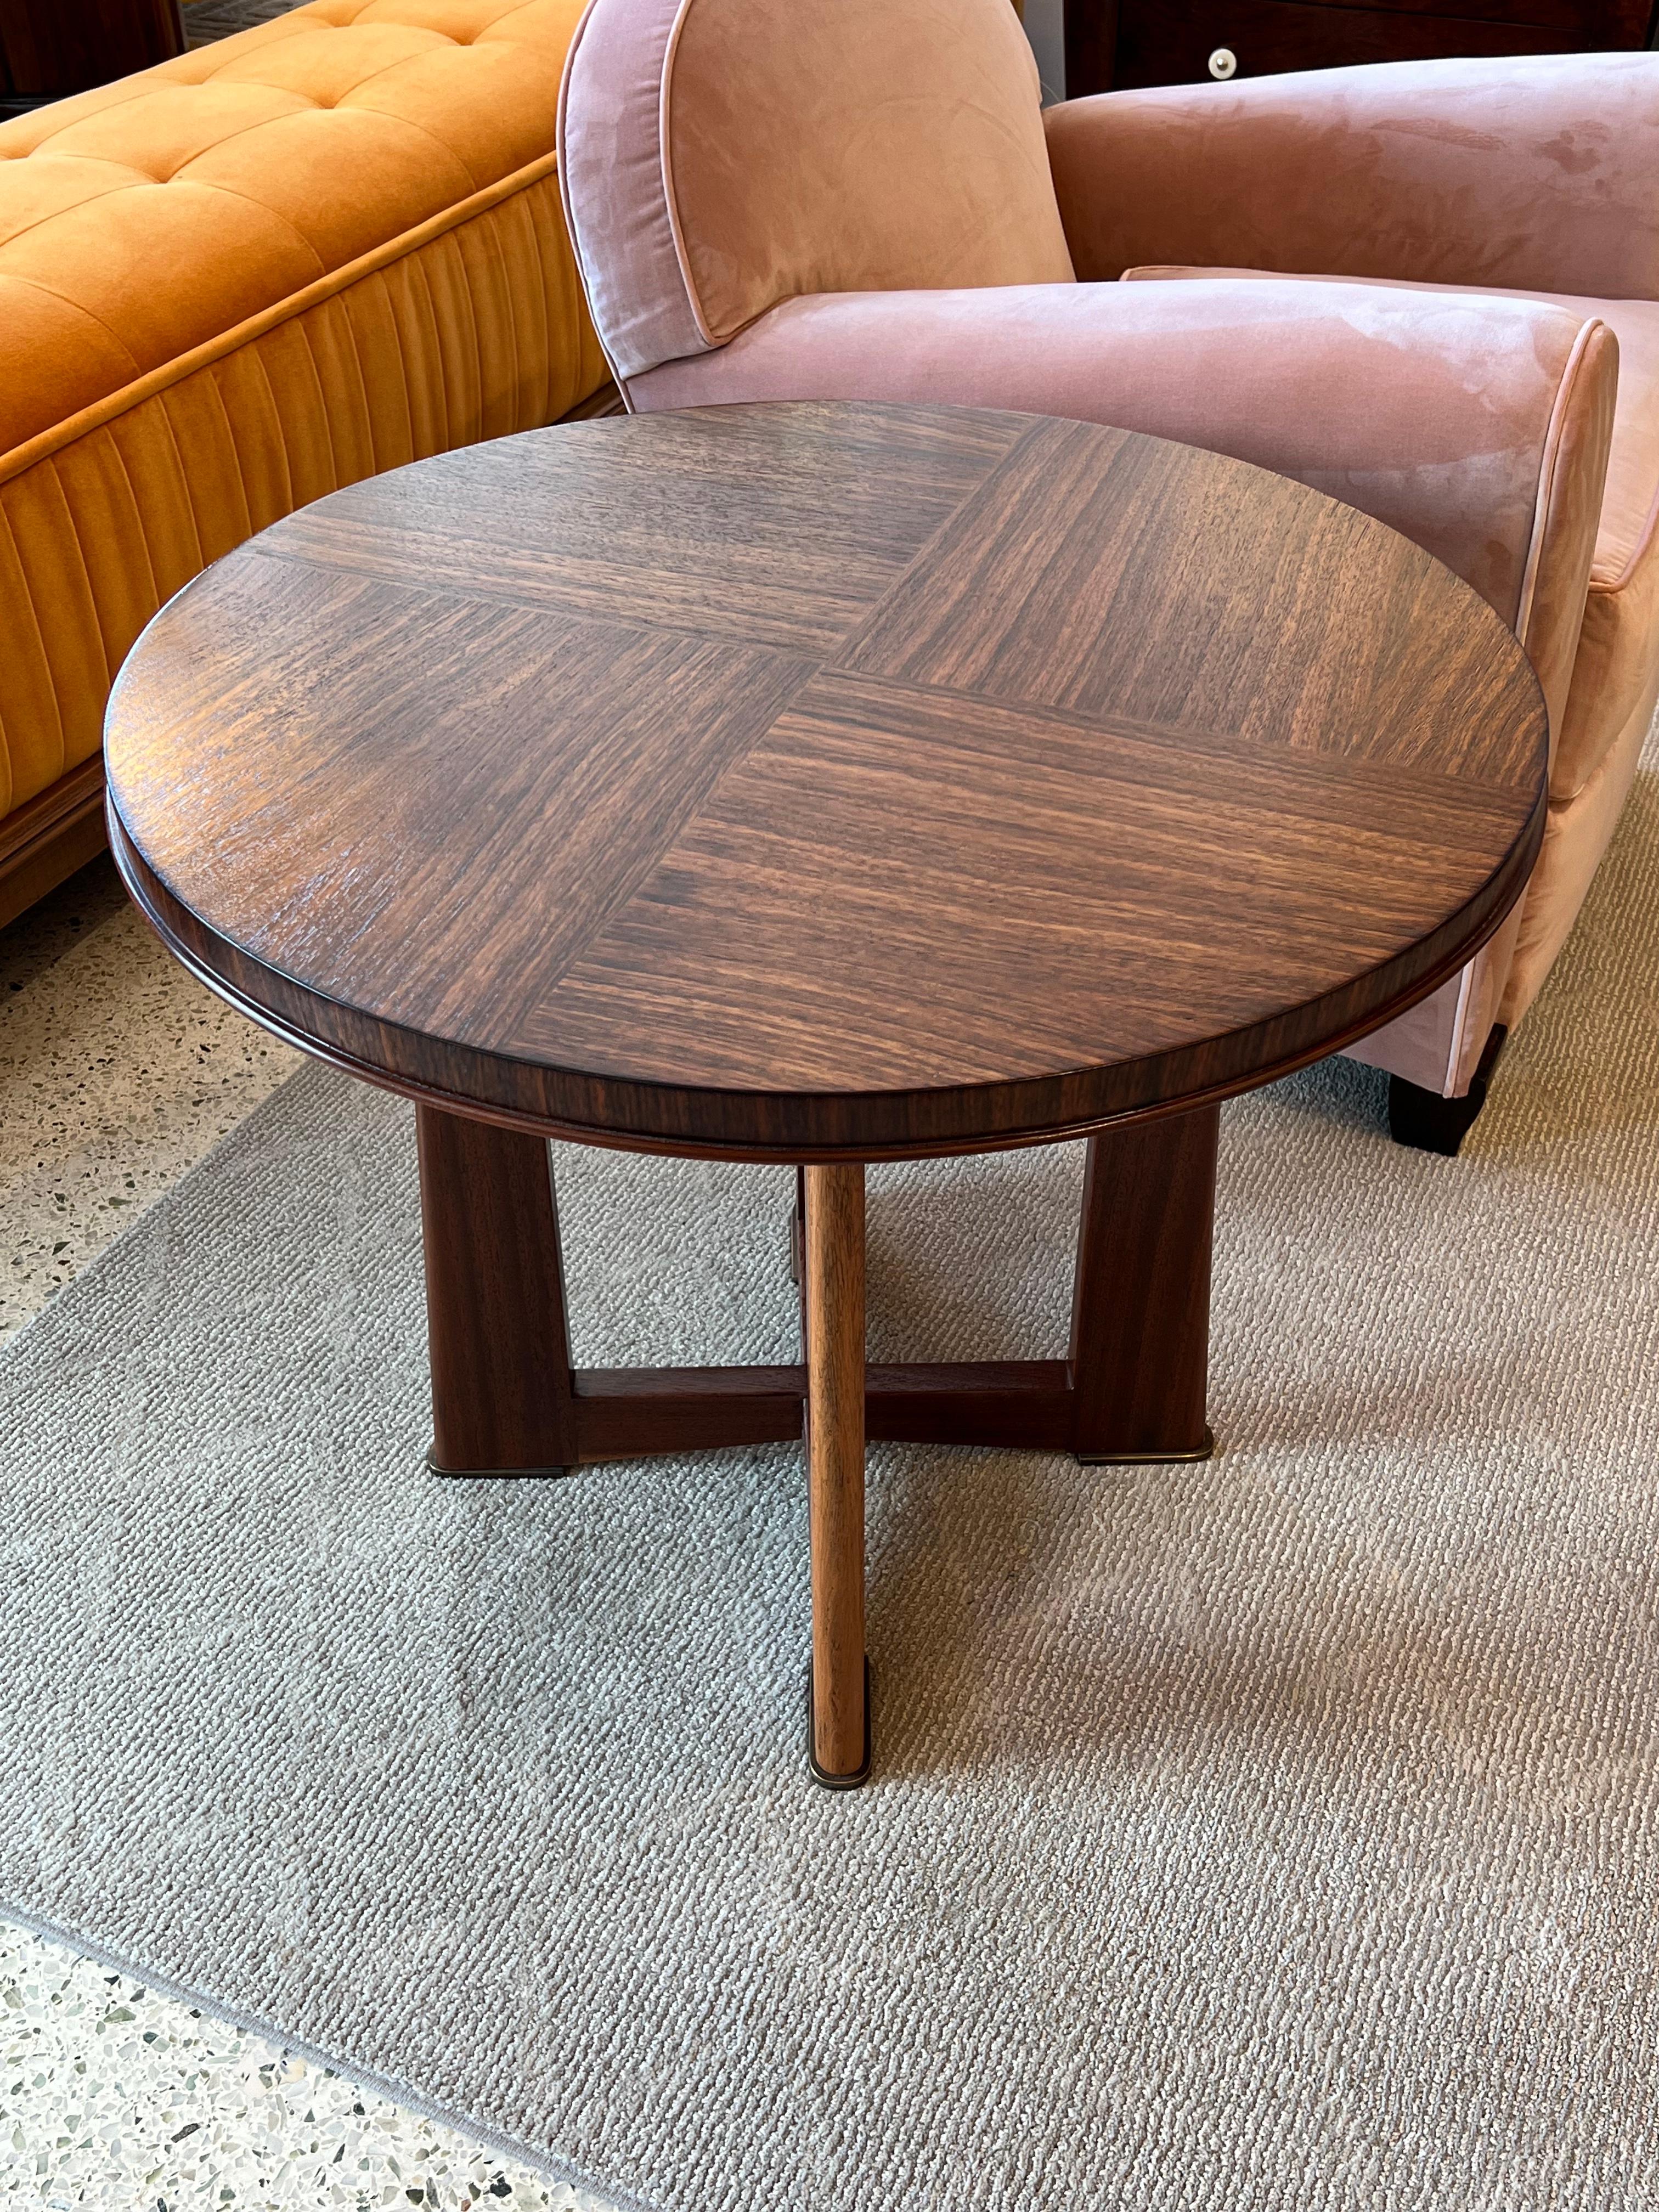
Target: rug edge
column 411, row 2099
column 67, row 1294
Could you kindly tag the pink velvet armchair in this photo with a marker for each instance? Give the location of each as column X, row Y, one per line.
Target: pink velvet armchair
column 1410, row 286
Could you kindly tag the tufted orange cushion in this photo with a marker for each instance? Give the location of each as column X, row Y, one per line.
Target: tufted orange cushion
column 149, row 217
column 231, row 284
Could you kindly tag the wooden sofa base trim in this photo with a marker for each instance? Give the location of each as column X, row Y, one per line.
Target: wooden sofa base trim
column 45, row 840
column 606, row 400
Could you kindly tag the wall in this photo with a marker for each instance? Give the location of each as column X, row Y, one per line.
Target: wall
column 1045, row 27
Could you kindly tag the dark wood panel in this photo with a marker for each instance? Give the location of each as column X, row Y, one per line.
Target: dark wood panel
column 506, row 1399
column 628, row 1412
column 1094, row 775
column 48, row 837
column 1171, row 45
column 1059, row 853
column 767, row 534
column 572, row 751
column 1140, row 1302
column 496, row 1328
column 1146, row 595
column 1026, row 1403
column 1593, row 24
column 1090, row 46
column 52, row 47
column 518, row 1094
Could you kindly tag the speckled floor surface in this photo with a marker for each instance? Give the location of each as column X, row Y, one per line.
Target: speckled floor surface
column 115, row 2097
column 118, row 1074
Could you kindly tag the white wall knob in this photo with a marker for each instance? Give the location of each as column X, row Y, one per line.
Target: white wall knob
column 1224, row 64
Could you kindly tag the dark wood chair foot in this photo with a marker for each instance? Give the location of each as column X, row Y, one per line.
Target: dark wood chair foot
column 1428, row 1123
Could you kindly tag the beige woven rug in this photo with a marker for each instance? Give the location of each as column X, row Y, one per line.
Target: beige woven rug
column 1281, row 1832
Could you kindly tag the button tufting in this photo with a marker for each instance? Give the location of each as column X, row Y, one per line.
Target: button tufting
column 261, row 220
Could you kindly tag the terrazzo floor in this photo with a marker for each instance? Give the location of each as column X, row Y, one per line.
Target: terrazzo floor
column 118, row 1074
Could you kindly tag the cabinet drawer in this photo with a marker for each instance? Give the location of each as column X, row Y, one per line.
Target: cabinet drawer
column 1163, row 45
column 1592, row 23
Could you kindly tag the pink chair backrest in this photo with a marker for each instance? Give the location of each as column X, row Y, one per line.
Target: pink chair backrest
column 718, row 157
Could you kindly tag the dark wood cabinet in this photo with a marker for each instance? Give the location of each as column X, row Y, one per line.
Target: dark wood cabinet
column 1113, row 44
column 52, row 47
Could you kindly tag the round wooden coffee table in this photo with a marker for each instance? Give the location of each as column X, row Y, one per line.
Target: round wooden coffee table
column 824, row 784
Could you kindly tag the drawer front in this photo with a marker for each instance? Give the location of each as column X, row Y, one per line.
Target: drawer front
column 1593, row 23
column 1159, row 44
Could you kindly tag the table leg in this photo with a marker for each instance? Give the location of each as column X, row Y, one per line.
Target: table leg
column 1140, row 1307
column 834, row 1445
column 503, row 1400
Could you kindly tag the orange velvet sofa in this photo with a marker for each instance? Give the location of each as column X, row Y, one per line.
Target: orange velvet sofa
column 236, row 282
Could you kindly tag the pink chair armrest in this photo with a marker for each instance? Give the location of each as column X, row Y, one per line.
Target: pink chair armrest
column 1478, row 428
column 1536, row 172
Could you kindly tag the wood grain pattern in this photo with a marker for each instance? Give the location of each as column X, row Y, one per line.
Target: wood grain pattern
column 507, row 1401
column 633, row 1413
column 822, row 782
column 496, row 1326
column 1140, row 1302
column 835, row 1459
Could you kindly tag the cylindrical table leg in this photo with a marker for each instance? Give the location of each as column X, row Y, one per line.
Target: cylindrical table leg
column 835, row 1446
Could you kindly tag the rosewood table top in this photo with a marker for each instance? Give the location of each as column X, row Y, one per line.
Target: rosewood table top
column 815, row 781
column 819, row 783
